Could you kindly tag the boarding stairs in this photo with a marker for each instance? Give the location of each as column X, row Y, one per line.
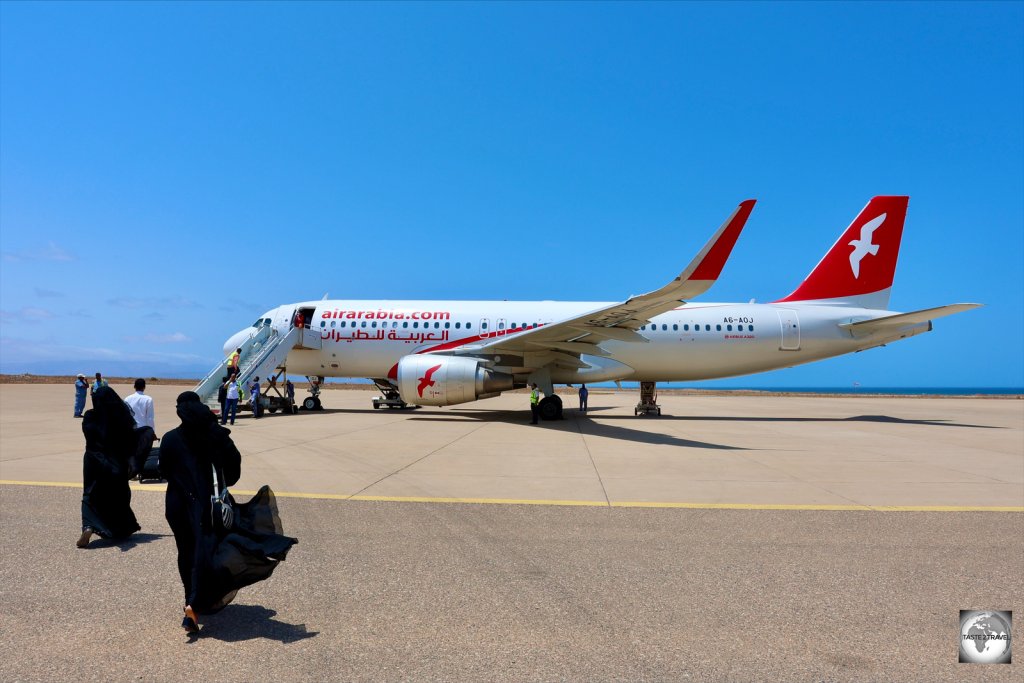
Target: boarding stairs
column 262, row 354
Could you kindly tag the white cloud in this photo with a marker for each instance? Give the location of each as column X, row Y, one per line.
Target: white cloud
column 174, row 338
column 27, row 313
column 51, row 252
column 135, row 302
column 18, row 349
column 154, row 338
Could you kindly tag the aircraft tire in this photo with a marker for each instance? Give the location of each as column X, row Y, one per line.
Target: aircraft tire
column 309, row 403
column 551, row 408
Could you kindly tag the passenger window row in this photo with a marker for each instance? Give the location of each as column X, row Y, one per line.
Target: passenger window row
column 513, row 326
column 373, row 324
column 696, row 328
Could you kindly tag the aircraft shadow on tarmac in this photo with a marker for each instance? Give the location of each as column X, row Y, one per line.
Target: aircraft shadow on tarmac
column 591, row 429
column 887, row 419
column 236, row 623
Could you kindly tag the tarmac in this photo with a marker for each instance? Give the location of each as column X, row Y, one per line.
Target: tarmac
column 733, row 538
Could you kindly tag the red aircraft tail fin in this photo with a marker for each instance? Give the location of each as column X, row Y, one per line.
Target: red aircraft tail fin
column 858, row 270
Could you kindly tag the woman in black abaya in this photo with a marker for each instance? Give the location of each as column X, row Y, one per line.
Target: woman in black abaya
column 214, row 565
column 110, row 443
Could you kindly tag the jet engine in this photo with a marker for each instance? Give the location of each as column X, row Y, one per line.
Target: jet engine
column 428, row 380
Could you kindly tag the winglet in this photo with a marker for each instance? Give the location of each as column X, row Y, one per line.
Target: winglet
column 709, row 262
column 707, row 265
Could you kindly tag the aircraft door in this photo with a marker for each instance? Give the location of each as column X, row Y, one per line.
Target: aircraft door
column 790, row 323
column 501, row 327
column 485, row 330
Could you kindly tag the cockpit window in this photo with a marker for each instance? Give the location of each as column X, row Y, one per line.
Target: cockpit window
column 258, row 322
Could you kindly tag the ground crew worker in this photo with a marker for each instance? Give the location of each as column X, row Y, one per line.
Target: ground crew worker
column 98, row 384
column 81, row 386
column 534, row 403
column 233, row 362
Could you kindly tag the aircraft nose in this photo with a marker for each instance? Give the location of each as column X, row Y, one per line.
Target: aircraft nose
column 236, row 340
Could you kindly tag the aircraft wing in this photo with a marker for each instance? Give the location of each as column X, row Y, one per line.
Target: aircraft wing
column 893, row 322
column 582, row 334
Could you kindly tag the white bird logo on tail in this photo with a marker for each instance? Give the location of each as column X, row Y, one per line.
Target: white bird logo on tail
column 863, row 246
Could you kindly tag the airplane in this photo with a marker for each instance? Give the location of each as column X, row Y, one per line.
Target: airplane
column 442, row 353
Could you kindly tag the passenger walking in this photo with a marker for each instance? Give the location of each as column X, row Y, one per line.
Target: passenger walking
column 99, row 382
column 81, row 387
column 222, row 395
column 110, row 445
column 254, row 396
column 584, row 393
column 142, row 406
column 233, row 361
column 534, row 403
column 215, row 557
column 145, row 427
column 231, row 400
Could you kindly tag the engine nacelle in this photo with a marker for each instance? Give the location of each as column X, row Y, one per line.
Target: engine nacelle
column 446, row 380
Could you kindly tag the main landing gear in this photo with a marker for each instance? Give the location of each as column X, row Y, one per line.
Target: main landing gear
column 648, row 404
column 551, row 407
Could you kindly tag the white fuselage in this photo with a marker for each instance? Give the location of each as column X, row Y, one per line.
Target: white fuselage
column 693, row 342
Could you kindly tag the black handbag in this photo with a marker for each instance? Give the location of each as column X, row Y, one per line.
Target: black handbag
column 222, row 515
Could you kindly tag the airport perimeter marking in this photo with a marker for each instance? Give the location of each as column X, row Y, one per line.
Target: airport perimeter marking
column 579, row 503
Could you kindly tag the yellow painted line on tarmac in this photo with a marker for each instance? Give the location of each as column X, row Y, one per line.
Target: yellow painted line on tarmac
column 485, row 501
column 580, row 503
column 58, row 484
column 822, row 507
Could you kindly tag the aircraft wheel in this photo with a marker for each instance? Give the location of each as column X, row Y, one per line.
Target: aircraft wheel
column 551, row 408
column 310, row 403
column 272, row 409
column 317, row 405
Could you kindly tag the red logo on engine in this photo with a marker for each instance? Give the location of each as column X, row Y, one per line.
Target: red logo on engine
column 425, row 380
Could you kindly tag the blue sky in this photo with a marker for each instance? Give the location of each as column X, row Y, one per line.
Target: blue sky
column 169, row 171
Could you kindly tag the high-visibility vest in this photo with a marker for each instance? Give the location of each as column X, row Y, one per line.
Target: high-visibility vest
column 534, row 397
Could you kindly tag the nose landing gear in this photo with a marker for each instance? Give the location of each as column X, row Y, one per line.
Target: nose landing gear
column 312, row 402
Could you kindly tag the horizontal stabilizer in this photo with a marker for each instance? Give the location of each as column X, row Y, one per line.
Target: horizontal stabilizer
column 892, row 322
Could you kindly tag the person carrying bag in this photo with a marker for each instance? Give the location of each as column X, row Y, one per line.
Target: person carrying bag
column 222, row 514
column 223, row 545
